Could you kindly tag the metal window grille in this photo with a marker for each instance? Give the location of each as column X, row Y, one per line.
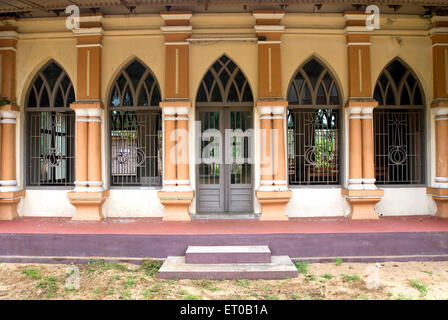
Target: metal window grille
column 399, row 127
column 50, row 129
column 313, row 146
column 135, row 128
column 136, row 153
column 398, row 146
column 51, row 148
column 314, row 126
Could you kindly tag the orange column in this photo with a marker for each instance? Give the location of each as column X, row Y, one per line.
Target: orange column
column 439, row 188
column 182, row 152
column 278, row 121
column 361, row 192
column 169, row 163
column 355, row 150
column 266, row 163
column 273, row 193
column 177, row 194
column 94, row 171
column 81, row 175
column 10, row 192
column 368, row 161
column 89, row 193
column 441, row 132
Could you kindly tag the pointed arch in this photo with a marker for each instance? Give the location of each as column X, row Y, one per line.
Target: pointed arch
column 135, row 86
column 398, row 85
column 224, row 82
column 314, row 84
column 313, row 117
column 50, row 128
column 135, row 123
column 51, row 87
column 399, row 126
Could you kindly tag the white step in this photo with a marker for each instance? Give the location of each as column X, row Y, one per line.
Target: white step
column 227, row 254
column 280, row 267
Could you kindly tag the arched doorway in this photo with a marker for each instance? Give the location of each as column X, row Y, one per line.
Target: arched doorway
column 224, row 170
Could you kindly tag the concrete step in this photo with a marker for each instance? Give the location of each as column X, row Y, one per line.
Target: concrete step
column 280, row 267
column 227, row 254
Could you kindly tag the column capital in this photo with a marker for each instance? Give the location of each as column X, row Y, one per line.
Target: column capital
column 175, row 104
column 87, row 105
column 440, row 103
column 356, row 22
column 176, row 17
column 268, row 25
column 90, row 28
column 361, row 103
column 173, row 108
column 440, row 109
column 271, row 107
column 439, row 26
column 10, row 108
column 177, row 26
column 9, row 113
column 84, row 109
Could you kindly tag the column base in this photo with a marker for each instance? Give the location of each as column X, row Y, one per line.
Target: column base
column 440, row 196
column 362, row 203
column 273, row 204
column 177, row 205
column 89, row 205
column 8, row 204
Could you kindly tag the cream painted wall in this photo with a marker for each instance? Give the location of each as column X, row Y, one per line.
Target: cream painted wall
column 317, row 202
column 46, row 203
column 405, row 201
column 133, row 203
column 305, row 35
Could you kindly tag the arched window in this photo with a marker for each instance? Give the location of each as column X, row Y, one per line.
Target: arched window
column 223, row 83
column 50, row 128
column 398, row 124
column 313, row 126
column 135, row 128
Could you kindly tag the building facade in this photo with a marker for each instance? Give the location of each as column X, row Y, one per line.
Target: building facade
column 276, row 112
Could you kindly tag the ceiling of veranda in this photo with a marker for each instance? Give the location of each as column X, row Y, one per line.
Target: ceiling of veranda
column 48, row 8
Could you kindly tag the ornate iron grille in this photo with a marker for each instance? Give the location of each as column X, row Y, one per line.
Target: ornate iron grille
column 313, row 146
column 313, row 126
column 51, row 148
column 398, row 146
column 135, row 128
column 50, row 129
column 136, row 153
column 399, row 127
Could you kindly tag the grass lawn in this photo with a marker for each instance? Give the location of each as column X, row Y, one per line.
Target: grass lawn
column 338, row 280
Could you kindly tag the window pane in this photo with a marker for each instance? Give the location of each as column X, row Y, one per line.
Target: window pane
column 136, row 148
column 398, row 146
column 50, row 148
column 313, row 146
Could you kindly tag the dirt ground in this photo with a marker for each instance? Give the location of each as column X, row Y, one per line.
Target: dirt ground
column 333, row 281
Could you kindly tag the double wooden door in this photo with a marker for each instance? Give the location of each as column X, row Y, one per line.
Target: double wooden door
column 224, row 170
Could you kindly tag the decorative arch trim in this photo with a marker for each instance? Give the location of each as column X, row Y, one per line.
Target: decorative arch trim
column 397, row 85
column 314, row 84
column 224, row 82
column 50, row 88
column 135, row 86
